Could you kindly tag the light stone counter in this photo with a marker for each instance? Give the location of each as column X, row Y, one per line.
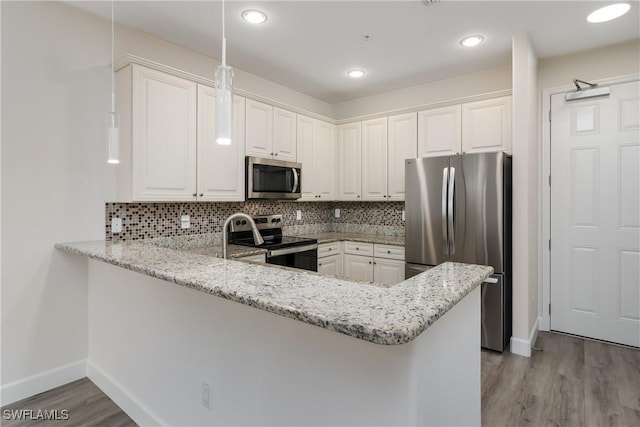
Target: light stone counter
column 394, row 315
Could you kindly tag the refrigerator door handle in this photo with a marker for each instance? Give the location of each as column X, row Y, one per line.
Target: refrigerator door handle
column 445, row 180
column 450, row 212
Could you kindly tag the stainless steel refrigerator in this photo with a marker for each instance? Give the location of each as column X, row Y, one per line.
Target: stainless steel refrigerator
column 458, row 208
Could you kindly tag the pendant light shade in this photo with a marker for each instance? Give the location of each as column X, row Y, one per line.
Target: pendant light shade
column 224, row 95
column 224, row 104
column 113, row 138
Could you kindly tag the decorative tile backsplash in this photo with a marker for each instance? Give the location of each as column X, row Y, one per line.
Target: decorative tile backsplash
column 152, row 220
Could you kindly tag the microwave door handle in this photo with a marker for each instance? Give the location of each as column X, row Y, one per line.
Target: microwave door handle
column 445, row 180
column 295, row 180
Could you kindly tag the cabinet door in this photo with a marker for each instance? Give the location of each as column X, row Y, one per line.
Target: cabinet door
column 259, row 129
column 486, row 125
column 284, row 134
column 439, row 132
column 220, row 167
column 331, row 265
column 163, row 136
column 358, row 268
column 403, row 144
column 349, row 161
column 374, row 159
column 305, row 131
column 324, row 156
column 388, row 271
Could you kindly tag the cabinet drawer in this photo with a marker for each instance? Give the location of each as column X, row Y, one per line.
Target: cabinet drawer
column 389, row 252
column 327, row 249
column 357, row 248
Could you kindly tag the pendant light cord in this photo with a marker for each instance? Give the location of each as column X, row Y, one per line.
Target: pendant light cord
column 113, row 84
column 224, row 39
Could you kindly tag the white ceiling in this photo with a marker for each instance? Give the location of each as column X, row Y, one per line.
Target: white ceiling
column 309, row 45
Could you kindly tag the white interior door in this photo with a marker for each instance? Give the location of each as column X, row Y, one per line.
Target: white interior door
column 595, row 215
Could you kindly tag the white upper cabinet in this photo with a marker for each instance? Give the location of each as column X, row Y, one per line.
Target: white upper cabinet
column 259, row 129
column 349, row 161
column 402, row 143
column 439, row 132
column 473, row 127
column 317, row 153
column 324, row 154
column 486, row 125
column 220, row 167
column 270, row 132
column 163, row 136
column 284, row 135
column 374, row 159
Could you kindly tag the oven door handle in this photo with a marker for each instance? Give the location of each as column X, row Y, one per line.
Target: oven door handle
column 295, row 180
column 293, row 250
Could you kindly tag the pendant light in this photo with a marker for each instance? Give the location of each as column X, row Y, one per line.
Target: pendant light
column 113, row 119
column 224, row 94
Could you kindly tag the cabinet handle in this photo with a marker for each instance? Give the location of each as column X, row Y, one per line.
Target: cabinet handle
column 272, row 154
column 358, row 196
column 320, row 264
column 201, row 194
column 374, row 263
column 357, row 249
column 388, row 252
column 276, row 154
column 369, row 262
column 330, row 249
column 195, row 194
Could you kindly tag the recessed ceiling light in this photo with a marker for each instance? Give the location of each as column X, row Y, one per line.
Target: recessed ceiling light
column 254, row 16
column 356, row 74
column 471, row 41
column 608, row 13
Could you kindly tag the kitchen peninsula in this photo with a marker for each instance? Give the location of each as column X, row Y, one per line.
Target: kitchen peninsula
column 408, row 354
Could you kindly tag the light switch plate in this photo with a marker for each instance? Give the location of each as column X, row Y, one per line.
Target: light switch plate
column 337, row 213
column 116, row 225
column 298, row 215
column 185, row 221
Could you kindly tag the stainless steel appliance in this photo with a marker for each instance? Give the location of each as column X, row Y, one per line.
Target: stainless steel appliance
column 289, row 251
column 272, row 179
column 458, row 208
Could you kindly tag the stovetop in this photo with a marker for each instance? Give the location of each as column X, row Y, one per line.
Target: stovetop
column 270, row 227
column 275, row 242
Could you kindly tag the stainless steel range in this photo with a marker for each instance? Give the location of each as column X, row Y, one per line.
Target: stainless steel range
column 289, row 251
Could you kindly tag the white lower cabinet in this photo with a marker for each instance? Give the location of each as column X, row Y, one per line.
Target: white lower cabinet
column 331, row 265
column 373, row 263
column 388, row 271
column 358, row 267
column 330, row 260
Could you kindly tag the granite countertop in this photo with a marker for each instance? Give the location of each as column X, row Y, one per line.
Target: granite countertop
column 381, row 315
column 333, row 236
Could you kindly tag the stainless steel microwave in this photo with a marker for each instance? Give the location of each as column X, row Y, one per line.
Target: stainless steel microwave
column 272, row 179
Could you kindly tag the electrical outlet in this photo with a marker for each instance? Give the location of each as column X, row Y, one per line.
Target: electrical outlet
column 336, row 214
column 403, row 215
column 185, row 221
column 298, row 215
column 116, row 225
column 206, row 395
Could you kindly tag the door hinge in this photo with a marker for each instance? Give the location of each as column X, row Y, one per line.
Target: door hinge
column 549, row 115
column 549, row 308
column 549, row 244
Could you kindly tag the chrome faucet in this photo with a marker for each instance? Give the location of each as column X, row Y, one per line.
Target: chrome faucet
column 257, row 237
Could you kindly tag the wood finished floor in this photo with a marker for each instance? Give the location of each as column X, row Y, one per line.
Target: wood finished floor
column 572, row 382
column 86, row 403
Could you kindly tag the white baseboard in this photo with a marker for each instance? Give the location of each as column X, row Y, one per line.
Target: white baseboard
column 142, row 415
column 523, row 347
column 27, row 387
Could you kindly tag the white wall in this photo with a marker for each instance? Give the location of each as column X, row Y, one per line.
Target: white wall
column 482, row 82
column 54, row 98
column 55, row 95
column 525, row 194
